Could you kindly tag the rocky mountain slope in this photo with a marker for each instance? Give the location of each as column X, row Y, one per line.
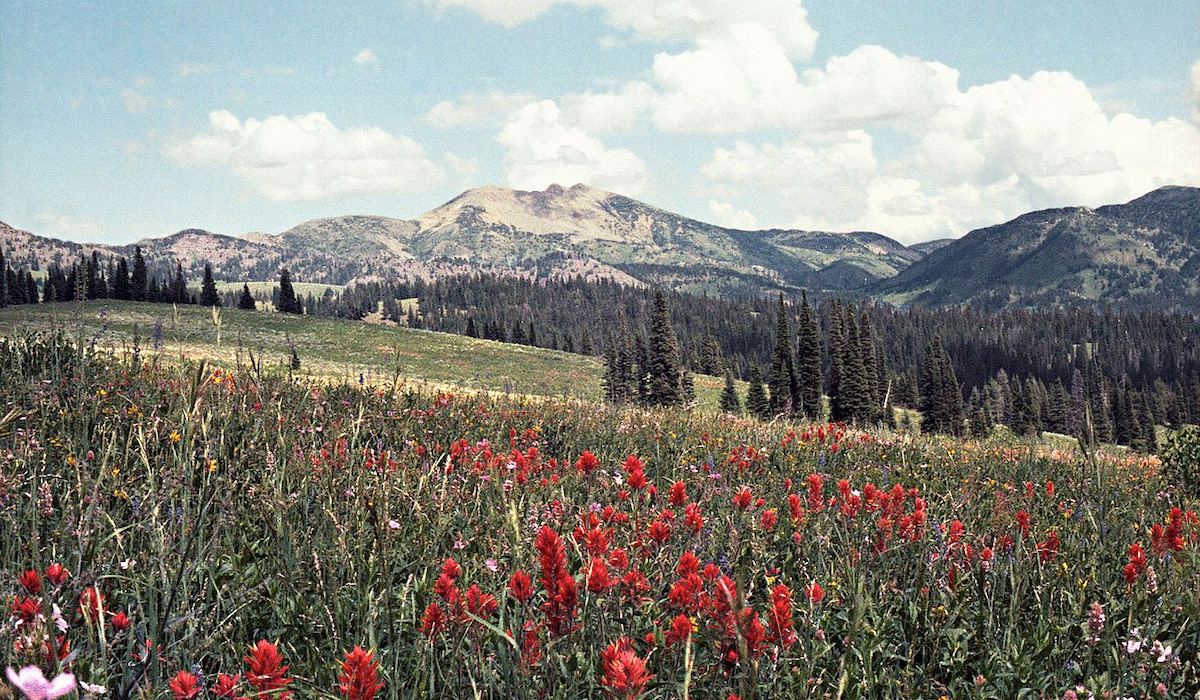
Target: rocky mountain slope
column 1145, row 253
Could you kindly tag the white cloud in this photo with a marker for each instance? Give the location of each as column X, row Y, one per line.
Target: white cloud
column 279, row 70
column 188, row 69
column 134, row 102
column 725, row 214
column 984, row 156
column 306, row 157
column 58, row 225
column 670, row 21
column 473, row 109
column 366, row 57
column 608, row 112
column 1193, row 90
column 541, row 150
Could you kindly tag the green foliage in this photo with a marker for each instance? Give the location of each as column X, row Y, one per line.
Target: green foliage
column 1181, row 459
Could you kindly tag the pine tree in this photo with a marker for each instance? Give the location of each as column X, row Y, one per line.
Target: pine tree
column 179, row 291
column 120, row 281
column 942, row 409
column 873, row 395
column 756, row 399
column 246, row 300
column 856, row 388
column 664, row 388
column 471, row 332
column 980, row 420
column 208, row 288
column 782, row 378
column 835, row 353
column 730, row 403
column 288, row 303
column 81, row 278
column 31, row 291
column 808, row 361
column 137, row 281
column 5, row 294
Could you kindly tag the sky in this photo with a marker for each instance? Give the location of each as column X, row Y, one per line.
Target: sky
column 918, row 119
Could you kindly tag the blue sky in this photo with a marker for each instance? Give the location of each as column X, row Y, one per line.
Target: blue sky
column 917, row 119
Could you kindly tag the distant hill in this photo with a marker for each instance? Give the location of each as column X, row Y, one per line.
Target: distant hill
column 579, row 230
column 1143, row 254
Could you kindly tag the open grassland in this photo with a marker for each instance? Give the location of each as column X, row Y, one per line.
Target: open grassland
column 328, row 348
column 156, row 520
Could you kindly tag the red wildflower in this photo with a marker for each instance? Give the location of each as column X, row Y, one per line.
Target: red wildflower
column 768, row 519
column 520, row 586
column 814, row 592
column 1049, row 489
column 678, row 494
column 451, row 569
column 26, row 609
column 598, row 579
column 1023, row 522
column 226, row 686
column 359, row 679
column 743, row 498
column 266, row 670
column 120, row 622
column 659, row 531
column 693, row 518
column 1048, row 548
column 478, row 603
column 816, row 498
column 57, row 574
column 688, row 564
column 91, row 604
column 681, row 628
column 618, row 558
column 31, row 582
column 183, row 686
column 624, row 673
column 780, row 617
column 586, row 463
column 434, row 620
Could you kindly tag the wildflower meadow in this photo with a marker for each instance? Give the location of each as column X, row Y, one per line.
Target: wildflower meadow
column 179, row 531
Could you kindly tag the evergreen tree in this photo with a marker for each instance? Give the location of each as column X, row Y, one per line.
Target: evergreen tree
column 942, row 410
column 31, row 291
column 179, row 292
column 471, row 332
column 137, row 281
column 663, row 357
column 246, row 300
column 687, row 388
column 808, row 361
column 856, row 387
column 208, row 288
column 835, row 352
column 756, row 398
column 81, row 278
column 121, row 288
column 781, row 380
column 288, row 303
column 5, row 294
column 873, row 394
column 730, row 403
column 980, row 420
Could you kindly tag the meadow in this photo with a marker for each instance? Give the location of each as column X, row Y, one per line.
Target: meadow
column 329, row 349
column 179, row 529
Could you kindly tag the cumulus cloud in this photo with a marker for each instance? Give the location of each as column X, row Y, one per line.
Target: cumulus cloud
column 306, row 157
column 1193, row 90
column 541, row 150
column 725, row 214
column 608, row 112
column 59, row 225
column 984, row 156
column 474, row 109
column 366, row 57
column 675, row 21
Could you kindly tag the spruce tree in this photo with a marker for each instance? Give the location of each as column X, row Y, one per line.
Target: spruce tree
column 121, row 288
column 81, row 278
column 857, row 387
column 138, row 281
column 808, row 361
column 178, row 292
column 756, row 399
column 663, row 357
column 246, row 300
column 730, row 403
column 208, row 288
column 873, row 395
column 288, row 303
column 835, row 352
column 5, row 294
column 471, row 332
column 781, row 380
column 31, row 291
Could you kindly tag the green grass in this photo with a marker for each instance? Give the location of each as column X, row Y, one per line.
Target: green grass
column 330, row 348
column 302, row 288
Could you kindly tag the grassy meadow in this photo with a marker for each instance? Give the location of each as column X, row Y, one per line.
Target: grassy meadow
column 192, row 530
column 331, row 349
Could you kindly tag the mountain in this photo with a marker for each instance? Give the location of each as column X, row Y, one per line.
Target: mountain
column 1142, row 254
column 578, row 231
